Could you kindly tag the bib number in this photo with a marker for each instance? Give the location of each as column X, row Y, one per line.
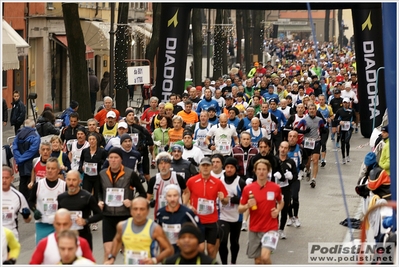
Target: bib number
column 74, row 215
column 270, row 240
column 135, row 138
column 346, row 126
column 133, row 257
column 309, row 143
column 114, row 197
column 50, row 206
column 8, row 214
column 172, row 232
column 90, row 168
column 205, row 206
column 224, row 146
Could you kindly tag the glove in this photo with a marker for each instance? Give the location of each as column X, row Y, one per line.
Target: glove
column 166, row 147
column 152, row 203
column 25, row 213
column 277, row 176
column 192, row 161
column 300, row 175
column 249, row 181
column 288, row 175
column 142, row 178
column 235, row 199
column 387, row 222
column 37, row 215
column 157, row 143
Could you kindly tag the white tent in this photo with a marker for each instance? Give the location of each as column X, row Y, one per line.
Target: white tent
column 13, row 46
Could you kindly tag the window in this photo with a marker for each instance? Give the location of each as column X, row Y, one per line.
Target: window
column 50, row 6
column 4, row 78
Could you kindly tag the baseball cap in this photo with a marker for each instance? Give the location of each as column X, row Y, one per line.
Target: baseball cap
column 198, row 88
column 211, row 109
column 205, row 160
column 122, row 124
column 384, row 128
column 346, row 100
column 337, row 91
column 228, row 97
column 111, row 114
column 177, row 147
column 213, row 82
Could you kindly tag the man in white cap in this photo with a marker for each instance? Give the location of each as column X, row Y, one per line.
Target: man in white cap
column 349, row 93
column 110, row 128
column 102, row 114
column 116, row 141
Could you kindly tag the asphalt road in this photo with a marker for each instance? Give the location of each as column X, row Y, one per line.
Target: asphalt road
column 321, row 210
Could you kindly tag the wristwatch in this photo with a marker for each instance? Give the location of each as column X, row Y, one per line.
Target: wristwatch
column 110, row 256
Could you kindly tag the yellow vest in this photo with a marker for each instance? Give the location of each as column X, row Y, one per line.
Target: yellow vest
column 109, row 133
column 138, row 245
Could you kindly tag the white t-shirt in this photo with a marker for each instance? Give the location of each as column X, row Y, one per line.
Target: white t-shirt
column 195, row 153
column 12, row 203
column 223, row 137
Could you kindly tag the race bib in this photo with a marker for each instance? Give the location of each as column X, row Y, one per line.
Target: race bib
column 282, row 184
column 69, row 144
column 161, row 201
column 172, row 232
column 270, row 195
column 134, row 257
column 309, row 143
column 205, row 206
column 201, row 142
column 50, row 206
column 74, row 215
column 346, row 126
column 90, row 168
column 224, row 146
column 8, row 214
column 114, row 197
column 270, row 240
column 107, row 137
column 135, row 138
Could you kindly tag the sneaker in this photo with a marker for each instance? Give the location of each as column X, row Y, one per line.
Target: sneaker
column 290, row 221
column 313, row 183
column 94, row 226
column 307, row 174
column 323, row 163
column 297, row 222
column 282, row 234
column 301, row 174
column 337, row 145
column 356, row 130
column 348, row 159
column 344, row 161
column 244, row 226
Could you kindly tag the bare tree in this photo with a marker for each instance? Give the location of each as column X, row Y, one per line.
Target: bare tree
column 239, row 29
column 218, row 45
column 327, row 26
column 247, row 35
column 121, row 50
column 79, row 79
column 257, row 40
column 197, row 45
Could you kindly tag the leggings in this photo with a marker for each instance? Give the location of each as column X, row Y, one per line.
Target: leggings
column 345, row 145
column 295, row 187
column 92, row 183
column 234, row 229
column 323, row 141
column 286, row 191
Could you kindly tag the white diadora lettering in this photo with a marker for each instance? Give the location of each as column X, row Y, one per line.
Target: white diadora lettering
column 169, row 69
column 371, row 78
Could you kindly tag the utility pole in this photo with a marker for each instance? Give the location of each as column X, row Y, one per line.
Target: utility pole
column 208, row 47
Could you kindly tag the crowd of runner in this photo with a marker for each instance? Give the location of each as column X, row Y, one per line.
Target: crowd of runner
column 230, row 156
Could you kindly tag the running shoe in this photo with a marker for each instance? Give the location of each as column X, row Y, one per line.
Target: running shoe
column 297, row 223
column 282, row 234
column 244, row 226
column 344, row 161
column 356, row 130
column 290, row 221
column 94, row 226
column 313, row 183
column 323, row 163
column 348, row 159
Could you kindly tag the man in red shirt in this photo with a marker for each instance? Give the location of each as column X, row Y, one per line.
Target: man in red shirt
column 260, row 198
column 202, row 192
column 101, row 116
column 146, row 117
column 47, row 252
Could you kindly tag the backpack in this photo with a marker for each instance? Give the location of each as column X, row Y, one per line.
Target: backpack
column 361, row 187
column 142, row 140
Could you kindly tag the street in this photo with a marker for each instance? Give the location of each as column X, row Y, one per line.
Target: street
column 321, row 210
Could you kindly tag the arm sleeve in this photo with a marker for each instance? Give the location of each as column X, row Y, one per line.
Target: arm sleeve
column 97, row 213
column 38, row 254
column 66, row 161
column 135, row 182
column 21, row 117
column 182, row 182
column 240, row 126
column 86, row 251
column 32, row 197
column 82, row 157
column 13, row 244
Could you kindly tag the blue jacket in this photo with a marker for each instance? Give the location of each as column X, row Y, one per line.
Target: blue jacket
column 25, row 149
column 280, row 118
column 65, row 116
column 204, row 104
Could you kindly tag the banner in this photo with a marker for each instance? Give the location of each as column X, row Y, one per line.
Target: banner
column 172, row 54
column 367, row 25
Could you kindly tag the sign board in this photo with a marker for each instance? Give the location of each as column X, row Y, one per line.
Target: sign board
column 138, row 75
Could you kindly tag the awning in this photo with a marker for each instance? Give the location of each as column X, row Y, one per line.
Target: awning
column 20, row 43
column 294, row 28
column 63, row 40
column 13, row 45
column 96, row 35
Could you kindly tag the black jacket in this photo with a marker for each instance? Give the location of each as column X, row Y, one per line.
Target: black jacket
column 5, row 111
column 18, row 112
column 45, row 127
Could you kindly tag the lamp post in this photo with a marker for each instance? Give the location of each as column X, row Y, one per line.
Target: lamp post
column 111, row 49
column 208, row 45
